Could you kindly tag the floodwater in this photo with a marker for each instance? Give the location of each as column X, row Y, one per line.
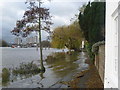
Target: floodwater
column 60, row 66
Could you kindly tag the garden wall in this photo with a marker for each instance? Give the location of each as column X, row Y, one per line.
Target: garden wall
column 100, row 61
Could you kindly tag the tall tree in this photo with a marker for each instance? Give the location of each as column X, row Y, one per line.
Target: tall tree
column 36, row 18
column 67, row 36
column 92, row 21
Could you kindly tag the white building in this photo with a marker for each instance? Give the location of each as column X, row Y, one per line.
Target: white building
column 18, row 40
column 83, row 44
column 111, row 49
column 32, row 39
column 36, row 40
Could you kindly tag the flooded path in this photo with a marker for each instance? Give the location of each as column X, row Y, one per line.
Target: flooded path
column 60, row 66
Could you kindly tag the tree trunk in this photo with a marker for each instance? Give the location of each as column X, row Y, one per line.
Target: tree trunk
column 41, row 57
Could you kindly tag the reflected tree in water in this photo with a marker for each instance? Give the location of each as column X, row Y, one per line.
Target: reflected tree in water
column 62, row 63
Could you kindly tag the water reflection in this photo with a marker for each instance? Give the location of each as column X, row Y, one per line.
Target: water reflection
column 42, row 75
column 62, row 63
column 60, row 66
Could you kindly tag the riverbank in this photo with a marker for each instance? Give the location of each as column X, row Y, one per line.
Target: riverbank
column 86, row 79
column 60, row 66
column 62, row 71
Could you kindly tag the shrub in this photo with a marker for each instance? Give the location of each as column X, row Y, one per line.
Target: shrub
column 29, row 68
column 88, row 47
column 5, row 75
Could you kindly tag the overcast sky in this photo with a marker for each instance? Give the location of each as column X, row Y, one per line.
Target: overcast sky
column 62, row 11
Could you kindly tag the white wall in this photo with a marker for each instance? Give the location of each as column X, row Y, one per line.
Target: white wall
column 119, row 45
column 111, row 50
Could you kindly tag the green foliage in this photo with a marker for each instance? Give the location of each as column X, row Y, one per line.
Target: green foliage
column 29, row 68
column 88, row 47
column 5, row 75
column 3, row 43
column 67, row 36
column 92, row 21
column 46, row 44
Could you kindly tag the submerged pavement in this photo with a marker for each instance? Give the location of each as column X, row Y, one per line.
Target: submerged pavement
column 59, row 67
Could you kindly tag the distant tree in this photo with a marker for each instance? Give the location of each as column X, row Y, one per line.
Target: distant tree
column 67, row 36
column 46, row 44
column 36, row 18
column 0, row 43
column 3, row 43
